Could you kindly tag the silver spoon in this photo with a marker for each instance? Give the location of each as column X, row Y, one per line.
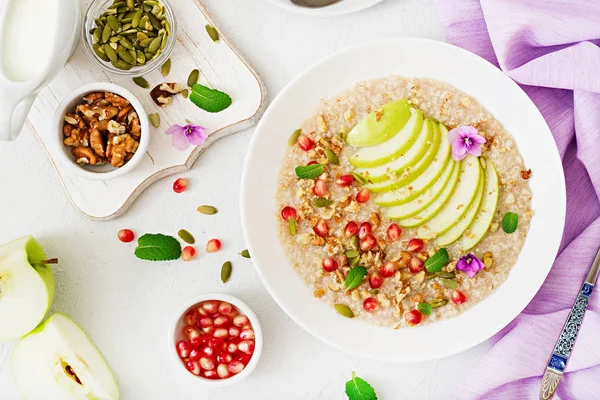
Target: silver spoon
column 314, row 3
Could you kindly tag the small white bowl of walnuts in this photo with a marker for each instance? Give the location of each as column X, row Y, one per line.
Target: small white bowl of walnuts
column 102, row 131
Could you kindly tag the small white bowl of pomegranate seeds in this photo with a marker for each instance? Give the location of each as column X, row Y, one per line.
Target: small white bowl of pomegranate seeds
column 217, row 340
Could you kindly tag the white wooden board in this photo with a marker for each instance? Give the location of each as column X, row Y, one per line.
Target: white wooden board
column 221, row 66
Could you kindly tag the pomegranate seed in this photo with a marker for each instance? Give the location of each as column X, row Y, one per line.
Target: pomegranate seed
column 305, row 143
column 388, row 269
column 368, row 243
column 211, row 306
column 416, row 265
column 180, row 185
column 201, row 311
column 247, row 334
column 208, row 352
column 246, row 346
column 125, row 235
column 375, row 280
column 321, row 228
column 206, row 322
column 225, row 308
column 345, row 180
column 191, row 317
column 415, row 245
column 235, row 367
column 370, row 304
column 413, row 317
column 224, row 358
column 213, row 245
column 183, row 348
column 288, row 212
column 365, row 229
column 209, row 330
column 193, row 366
column 222, row 321
column 194, row 355
column 207, row 363
column 223, row 372
column 234, row 331
column 458, row 297
column 216, row 343
column 329, row 264
column 320, row 188
column 394, row 232
column 232, row 347
column 363, row 196
column 351, row 229
column 244, row 358
column 212, row 374
column 188, row 253
column 195, row 337
column 221, row 333
column 313, row 162
column 241, row 320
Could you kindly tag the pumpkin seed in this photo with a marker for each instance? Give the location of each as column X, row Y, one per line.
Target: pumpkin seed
column 185, row 93
column 155, row 22
column 114, row 23
column 353, row 261
column 154, row 45
column 361, row 179
column 438, row 303
column 344, row 310
column 126, row 43
column 110, row 53
column 185, row 235
column 374, row 291
column 354, row 242
column 351, row 254
column 141, row 58
column 488, row 259
column 146, row 42
column 332, row 157
column 97, row 35
column 141, row 82
column 208, row 210
column 167, row 27
column 447, row 275
column 193, row 78
column 130, row 4
column 100, row 52
column 106, row 33
column 292, row 226
column 245, row 253
column 120, row 64
column 166, row 68
column 154, row 119
column 322, row 202
column 135, row 20
column 294, row 137
column 125, row 56
column 226, row 271
column 449, row 283
column 99, row 22
column 212, row 32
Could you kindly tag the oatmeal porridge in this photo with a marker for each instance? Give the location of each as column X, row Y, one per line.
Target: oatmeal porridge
column 402, row 201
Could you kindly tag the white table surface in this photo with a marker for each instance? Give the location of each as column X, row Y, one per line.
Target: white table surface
column 126, row 304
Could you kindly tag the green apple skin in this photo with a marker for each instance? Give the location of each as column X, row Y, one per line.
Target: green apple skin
column 487, row 209
column 26, row 287
column 39, row 364
column 373, row 156
column 370, row 131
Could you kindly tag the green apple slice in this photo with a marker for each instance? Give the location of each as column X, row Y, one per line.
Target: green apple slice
column 438, row 204
column 425, row 181
column 26, row 287
column 380, row 125
column 417, row 205
column 404, row 163
column 459, row 202
column 487, row 209
column 58, row 361
column 454, row 233
column 393, row 148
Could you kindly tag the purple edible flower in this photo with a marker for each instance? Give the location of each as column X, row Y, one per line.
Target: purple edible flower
column 465, row 140
column 183, row 136
column 470, row 264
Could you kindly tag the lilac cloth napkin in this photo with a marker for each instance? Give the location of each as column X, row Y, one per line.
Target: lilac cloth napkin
column 549, row 47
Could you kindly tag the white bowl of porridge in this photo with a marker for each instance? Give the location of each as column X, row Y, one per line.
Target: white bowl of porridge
column 403, row 200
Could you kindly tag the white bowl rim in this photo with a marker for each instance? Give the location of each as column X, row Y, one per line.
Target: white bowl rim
column 492, row 327
column 258, row 339
column 57, row 125
column 341, row 8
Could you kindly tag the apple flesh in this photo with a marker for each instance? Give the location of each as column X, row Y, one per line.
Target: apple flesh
column 380, row 125
column 26, row 287
column 57, row 361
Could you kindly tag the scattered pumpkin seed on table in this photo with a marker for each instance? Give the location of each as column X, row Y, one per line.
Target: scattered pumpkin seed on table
column 193, row 77
column 226, row 271
column 212, row 32
column 245, row 253
column 186, row 236
column 208, row 210
column 166, row 68
column 154, row 120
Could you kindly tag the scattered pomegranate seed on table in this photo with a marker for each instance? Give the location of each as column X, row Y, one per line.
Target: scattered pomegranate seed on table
column 363, row 196
column 415, row 245
column 188, row 253
column 345, row 180
column 365, row 229
column 320, row 188
column 370, row 304
column 458, row 297
column 213, row 245
column 288, row 212
column 394, row 232
column 375, row 280
column 180, row 185
column 329, row 264
column 351, row 229
column 125, row 235
column 413, row 317
column 305, row 143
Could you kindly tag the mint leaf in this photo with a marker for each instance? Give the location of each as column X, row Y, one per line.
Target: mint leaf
column 210, row 100
column 437, row 261
column 157, row 247
column 425, row 308
column 510, row 222
column 359, row 389
column 309, row 171
column 355, row 277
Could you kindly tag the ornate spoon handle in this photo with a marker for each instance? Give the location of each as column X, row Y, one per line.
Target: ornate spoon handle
column 564, row 346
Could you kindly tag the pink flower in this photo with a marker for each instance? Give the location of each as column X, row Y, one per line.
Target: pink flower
column 470, row 265
column 465, row 140
column 183, row 136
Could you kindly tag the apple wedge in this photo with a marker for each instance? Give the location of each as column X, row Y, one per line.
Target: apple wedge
column 380, row 125
column 392, row 148
column 26, row 287
column 487, row 209
column 459, row 202
column 57, row 361
column 425, row 181
column 406, row 161
column 454, row 233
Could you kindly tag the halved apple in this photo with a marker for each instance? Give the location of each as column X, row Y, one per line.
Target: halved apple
column 407, row 160
column 380, row 125
column 487, row 209
column 426, row 180
column 459, row 202
column 26, row 287
column 57, row 361
column 392, row 148
column 454, row 233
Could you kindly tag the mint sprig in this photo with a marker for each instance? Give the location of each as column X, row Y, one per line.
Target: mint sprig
column 210, row 100
column 359, row 389
column 157, row 247
column 309, row 171
column 437, row 261
column 510, row 222
column 355, row 277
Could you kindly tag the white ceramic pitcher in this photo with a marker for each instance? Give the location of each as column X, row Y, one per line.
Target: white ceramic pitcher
column 37, row 38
